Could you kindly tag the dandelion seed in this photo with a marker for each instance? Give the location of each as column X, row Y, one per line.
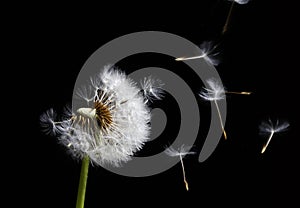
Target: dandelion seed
column 271, row 128
column 208, row 53
column 86, row 93
column 49, row 124
column 230, row 13
column 182, row 151
column 152, row 88
column 217, row 92
column 114, row 127
column 214, row 93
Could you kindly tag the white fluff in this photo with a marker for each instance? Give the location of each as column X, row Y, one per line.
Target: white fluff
column 270, row 127
column 209, row 52
column 130, row 116
column 214, row 92
column 179, row 152
column 152, row 88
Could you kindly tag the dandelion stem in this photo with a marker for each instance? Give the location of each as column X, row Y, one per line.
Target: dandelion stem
column 184, row 179
column 266, row 145
column 82, row 182
column 220, row 117
column 228, row 18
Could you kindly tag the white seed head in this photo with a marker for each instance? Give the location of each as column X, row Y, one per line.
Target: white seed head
column 179, row 152
column 113, row 125
column 271, row 127
column 214, row 92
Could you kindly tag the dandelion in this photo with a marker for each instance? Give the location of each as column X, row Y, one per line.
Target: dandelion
column 217, row 92
column 112, row 126
column 208, row 53
column 270, row 128
column 230, row 13
column 182, row 151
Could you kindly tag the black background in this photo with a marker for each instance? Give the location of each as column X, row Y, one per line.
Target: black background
column 60, row 39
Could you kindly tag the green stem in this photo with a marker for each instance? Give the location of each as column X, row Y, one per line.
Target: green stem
column 82, row 182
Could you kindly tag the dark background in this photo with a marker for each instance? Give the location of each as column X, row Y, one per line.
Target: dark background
column 60, row 39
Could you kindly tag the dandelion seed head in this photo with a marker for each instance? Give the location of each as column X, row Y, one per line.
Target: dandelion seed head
column 183, row 150
column 214, row 92
column 270, row 127
column 112, row 126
